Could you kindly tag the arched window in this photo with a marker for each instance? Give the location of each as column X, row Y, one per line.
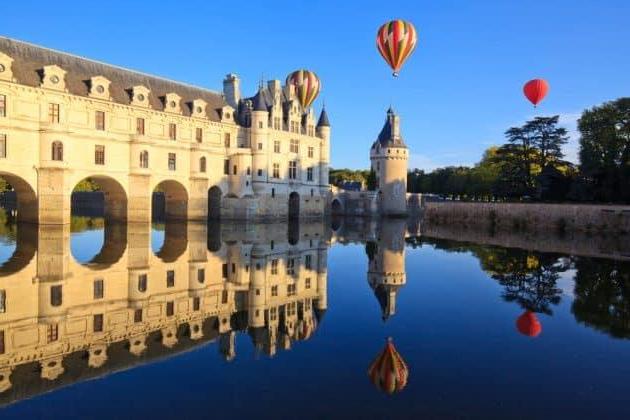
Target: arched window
column 202, row 164
column 57, row 151
column 144, row 159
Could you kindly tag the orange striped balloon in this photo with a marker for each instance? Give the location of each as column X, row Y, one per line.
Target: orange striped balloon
column 388, row 371
column 396, row 40
column 306, row 84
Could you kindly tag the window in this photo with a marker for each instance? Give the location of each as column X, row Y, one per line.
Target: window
column 291, row 266
column 260, row 146
column 52, row 334
column 260, row 124
column 98, row 323
column 291, row 289
column 170, row 308
column 201, row 275
column 308, row 261
column 224, row 296
column 142, row 283
column 273, row 314
column 199, row 134
column 276, row 123
column 293, row 169
column 1, row 342
column 100, row 120
column 3, row 145
column 170, row 278
column 226, row 167
column 309, row 174
column 273, row 192
column 234, row 170
column 249, row 170
column 307, row 283
column 276, row 170
column 53, row 113
column 3, row 301
column 3, row 105
column 172, row 131
column 57, row 151
column 99, row 155
column 137, row 315
column 295, row 146
column 202, row 164
column 144, row 159
column 140, row 126
column 311, row 151
column 172, row 162
column 276, row 146
column 56, row 295
column 224, row 270
column 260, row 171
column 226, row 139
column 274, row 290
column 233, row 268
column 274, row 266
column 99, row 289
column 196, row 303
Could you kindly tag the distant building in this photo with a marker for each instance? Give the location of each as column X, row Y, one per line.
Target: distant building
column 351, row 185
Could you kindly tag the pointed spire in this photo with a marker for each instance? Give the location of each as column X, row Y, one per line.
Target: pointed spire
column 323, row 119
column 259, row 101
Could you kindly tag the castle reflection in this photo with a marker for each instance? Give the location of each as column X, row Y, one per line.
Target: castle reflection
column 62, row 321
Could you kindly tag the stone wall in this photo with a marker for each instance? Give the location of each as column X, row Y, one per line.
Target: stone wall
column 598, row 218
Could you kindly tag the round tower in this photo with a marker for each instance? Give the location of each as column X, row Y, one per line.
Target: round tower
column 259, row 138
column 323, row 132
column 389, row 158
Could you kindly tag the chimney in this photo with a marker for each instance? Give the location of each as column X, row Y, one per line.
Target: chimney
column 232, row 90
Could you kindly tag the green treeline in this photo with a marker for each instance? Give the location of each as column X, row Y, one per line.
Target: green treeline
column 530, row 165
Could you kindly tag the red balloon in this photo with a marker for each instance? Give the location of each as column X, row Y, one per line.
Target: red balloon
column 536, row 90
column 527, row 324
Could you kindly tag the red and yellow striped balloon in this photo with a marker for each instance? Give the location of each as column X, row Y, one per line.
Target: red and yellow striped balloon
column 306, row 84
column 388, row 371
column 396, row 40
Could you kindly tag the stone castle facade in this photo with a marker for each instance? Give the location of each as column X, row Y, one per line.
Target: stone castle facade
column 64, row 119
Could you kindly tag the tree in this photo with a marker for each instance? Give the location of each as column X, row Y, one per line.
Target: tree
column 547, row 139
column 371, row 181
column 605, row 150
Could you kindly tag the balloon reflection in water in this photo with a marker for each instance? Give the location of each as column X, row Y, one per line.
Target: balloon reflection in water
column 527, row 324
column 388, row 371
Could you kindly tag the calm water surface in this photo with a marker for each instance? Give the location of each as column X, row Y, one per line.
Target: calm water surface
column 284, row 322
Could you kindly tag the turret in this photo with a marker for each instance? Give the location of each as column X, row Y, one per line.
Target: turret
column 323, row 132
column 259, row 139
column 389, row 156
column 232, row 90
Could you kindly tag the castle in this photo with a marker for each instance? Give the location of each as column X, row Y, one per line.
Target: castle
column 65, row 119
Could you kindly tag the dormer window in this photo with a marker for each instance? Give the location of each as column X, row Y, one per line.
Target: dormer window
column 199, row 108
column 171, row 103
column 6, row 63
column 53, row 77
column 140, row 96
column 99, row 87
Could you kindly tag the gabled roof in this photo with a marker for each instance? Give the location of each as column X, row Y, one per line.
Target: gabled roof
column 30, row 59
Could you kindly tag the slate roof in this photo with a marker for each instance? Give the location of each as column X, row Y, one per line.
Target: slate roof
column 385, row 137
column 323, row 119
column 29, row 60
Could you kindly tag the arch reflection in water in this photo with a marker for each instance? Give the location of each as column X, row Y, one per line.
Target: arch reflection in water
column 64, row 322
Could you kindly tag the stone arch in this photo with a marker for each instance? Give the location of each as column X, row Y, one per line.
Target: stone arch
column 214, row 203
column 336, row 207
column 25, row 198
column 294, row 205
column 174, row 203
column 112, row 195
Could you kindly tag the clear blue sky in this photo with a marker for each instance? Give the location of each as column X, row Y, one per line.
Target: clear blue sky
column 456, row 95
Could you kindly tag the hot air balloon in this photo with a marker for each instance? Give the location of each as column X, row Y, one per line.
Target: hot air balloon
column 388, row 371
column 396, row 40
column 527, row 324
column 535, row 90
column 306, row 84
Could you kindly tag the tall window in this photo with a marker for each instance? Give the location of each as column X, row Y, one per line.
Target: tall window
column 99, row 289
column 196, row 303
column 170, row 278
column 311, row 151
column 226, row 167
column 56, row 295
column 308, row 261
column 3, row 105
column 291, row 266
column 234, row 170
column 201, row 275
column 274, row 266
column 172, row 162
column 276, row 170
column 57, row 151
column 137, row 315
column 3, row 301
column 140, row 126
column 172, row 131
column 309, row 174
column 274, row 290
column 170, row 308
column 293, row 169
column 226, row 139
column 53, row 332
column 3, row 145
column 98, row 323
column 295, row 146
column 53, row 113
column 276, row 146
column 142, row 283
column 144, row 159
column 199, row 134
column 260, row 146
column 202, row 164
column 100, row 120
column 307, row 283
column 291, row 289
column 1, row 342
column 99, row 155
